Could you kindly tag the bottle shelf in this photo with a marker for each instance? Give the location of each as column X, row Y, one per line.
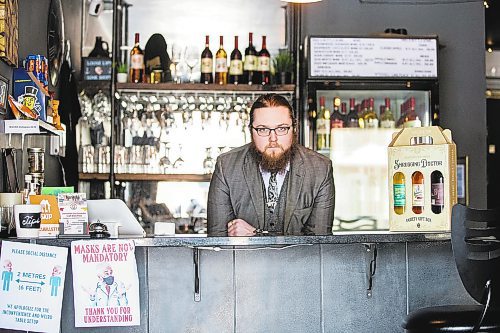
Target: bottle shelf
column 147, row 177
column 196, row 87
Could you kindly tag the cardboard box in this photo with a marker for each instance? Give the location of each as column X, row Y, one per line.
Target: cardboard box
column 425, row 150
column 30, row 92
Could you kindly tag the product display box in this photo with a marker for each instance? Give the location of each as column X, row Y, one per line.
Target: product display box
column 422, row 179
column 29, row 92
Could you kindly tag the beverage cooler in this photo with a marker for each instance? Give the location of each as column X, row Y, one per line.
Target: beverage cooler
column 358, row 92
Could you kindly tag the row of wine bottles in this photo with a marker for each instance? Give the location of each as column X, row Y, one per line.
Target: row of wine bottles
column 418, row 192
column 362, row 115
column 255, row 68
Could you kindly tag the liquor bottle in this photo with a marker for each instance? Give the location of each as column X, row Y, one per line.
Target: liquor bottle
column 437, row 192
column 370, row 116
column 336, row 119
column 250, row 64
column 352, row 116
column 323, row 126
column 411, row 118
column 387, row 117
column 399, row 188
column 221, row 64
column 264, row 64
column 417, row 181
column 137, row 70
column 206, row 63
column 236, row 64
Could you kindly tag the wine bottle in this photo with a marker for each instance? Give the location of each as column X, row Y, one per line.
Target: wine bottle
column 264, row 64
column 336, row 119
column 352, row 116
column 323, row 126
column 221, row 63
column 411, row 118
column 370, row 117
column 250, row 64
column 387, row 117
column 206, row 63
column 236, row 64
column 437, row 192
column 417, row 180
column 399, row 189
column 137, row 69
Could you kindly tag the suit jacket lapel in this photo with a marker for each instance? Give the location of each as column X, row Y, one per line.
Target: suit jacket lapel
column 295, row 181
column 252, row 175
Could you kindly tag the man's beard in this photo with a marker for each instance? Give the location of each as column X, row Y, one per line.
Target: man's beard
column 274, row 160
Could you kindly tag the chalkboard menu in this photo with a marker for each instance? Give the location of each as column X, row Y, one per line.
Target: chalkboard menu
column 373, row 57
column 96, row 69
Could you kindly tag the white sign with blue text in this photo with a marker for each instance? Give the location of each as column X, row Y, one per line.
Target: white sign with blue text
column 32, row 286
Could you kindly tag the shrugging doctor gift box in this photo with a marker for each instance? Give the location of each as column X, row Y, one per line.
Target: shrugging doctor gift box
column 422, row 179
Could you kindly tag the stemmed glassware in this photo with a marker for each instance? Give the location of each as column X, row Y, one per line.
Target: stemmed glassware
column 175, row 58
column 165, row 163
column 191, row 58
column 208, row 162
column 179, row 162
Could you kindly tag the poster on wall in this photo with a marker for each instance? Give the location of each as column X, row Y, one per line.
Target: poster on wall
column 105, row 283
column 9, row 32
column 32, row 286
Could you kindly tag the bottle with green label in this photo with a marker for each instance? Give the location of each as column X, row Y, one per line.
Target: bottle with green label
column 399, row 189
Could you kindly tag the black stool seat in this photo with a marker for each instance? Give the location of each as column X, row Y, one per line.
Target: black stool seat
column 451, row 318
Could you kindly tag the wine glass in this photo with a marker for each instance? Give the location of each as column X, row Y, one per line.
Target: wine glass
column 191, row 58
column 165, row 163
column 179, row 162
column 208, row 162
column 175, row 59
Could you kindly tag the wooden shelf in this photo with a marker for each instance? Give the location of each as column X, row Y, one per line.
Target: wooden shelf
column 202, row 87
column 147, row 177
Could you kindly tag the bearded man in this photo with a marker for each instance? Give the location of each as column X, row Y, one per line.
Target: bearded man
column 272, row 185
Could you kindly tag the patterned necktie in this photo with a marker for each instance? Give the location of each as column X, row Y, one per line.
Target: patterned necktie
column 108, row 289
column 272, row 192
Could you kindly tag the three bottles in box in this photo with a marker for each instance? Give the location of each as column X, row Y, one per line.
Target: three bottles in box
column 419, row 193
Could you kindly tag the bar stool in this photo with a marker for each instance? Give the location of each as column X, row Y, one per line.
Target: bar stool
column 475, row 238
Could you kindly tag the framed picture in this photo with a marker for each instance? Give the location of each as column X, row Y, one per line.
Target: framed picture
column 4, row 91
column 9, row 32
column 462, row 180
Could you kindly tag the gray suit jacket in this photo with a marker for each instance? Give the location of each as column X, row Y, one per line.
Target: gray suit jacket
column 236, row 192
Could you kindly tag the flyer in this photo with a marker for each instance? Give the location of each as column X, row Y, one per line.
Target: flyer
column 105, row 283
column 32, row 286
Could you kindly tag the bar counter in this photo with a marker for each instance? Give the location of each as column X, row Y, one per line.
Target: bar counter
column 362, row 281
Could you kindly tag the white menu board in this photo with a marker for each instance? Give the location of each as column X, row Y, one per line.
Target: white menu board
column 373, row 57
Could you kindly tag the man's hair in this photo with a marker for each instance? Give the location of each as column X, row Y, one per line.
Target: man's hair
column 272, row 100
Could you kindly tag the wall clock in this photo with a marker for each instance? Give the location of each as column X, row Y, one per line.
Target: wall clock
column 55, row 40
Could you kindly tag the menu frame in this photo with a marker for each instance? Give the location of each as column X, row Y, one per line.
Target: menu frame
column 357, row 72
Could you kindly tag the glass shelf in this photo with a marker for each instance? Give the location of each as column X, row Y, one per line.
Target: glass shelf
column 197, row 87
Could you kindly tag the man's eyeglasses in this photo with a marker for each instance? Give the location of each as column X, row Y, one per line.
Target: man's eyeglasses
column 279, row 131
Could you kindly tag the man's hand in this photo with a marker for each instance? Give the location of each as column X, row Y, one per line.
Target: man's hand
column 239, row 227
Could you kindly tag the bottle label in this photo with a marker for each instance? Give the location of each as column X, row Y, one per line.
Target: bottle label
column 236, row 67
column 371, row 123
column 137, row 61
column 206, row 65
column 399, row 195
column 418, row 195
column 322, row 126
column 413, row 123
column 221, row 65
column 437, row 194
column 388, row 124
column 337, row 123
column 264, row 64
column 250, row 63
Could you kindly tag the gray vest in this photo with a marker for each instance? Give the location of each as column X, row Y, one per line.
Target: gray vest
column 274, row 222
